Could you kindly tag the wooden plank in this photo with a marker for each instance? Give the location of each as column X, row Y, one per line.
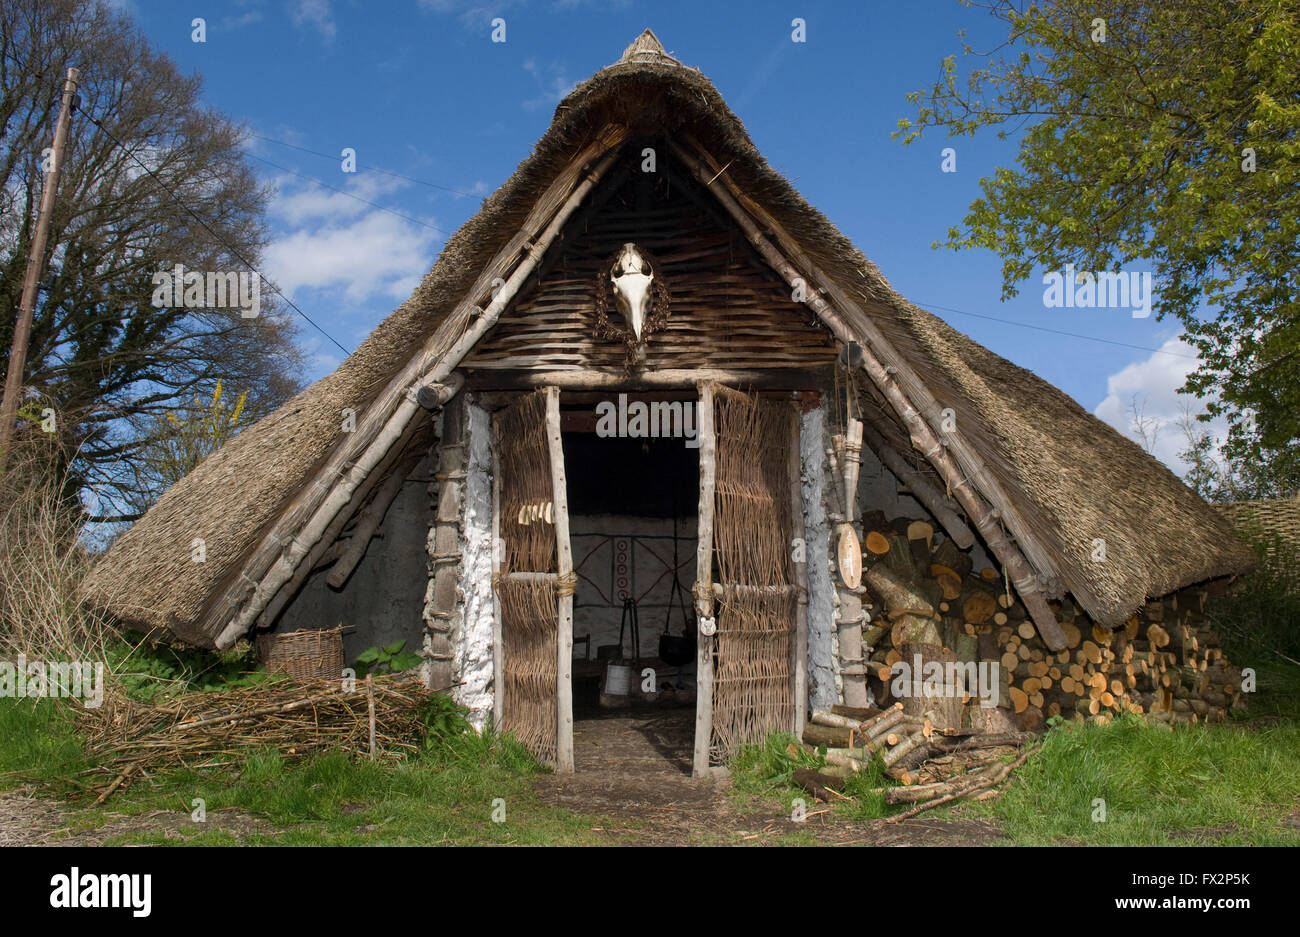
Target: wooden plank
column 617, row 378
column 564, row 571
column 704, row 583
column 800, row 577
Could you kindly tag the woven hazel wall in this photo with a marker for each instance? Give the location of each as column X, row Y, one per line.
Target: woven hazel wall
column 528, row 634
column 1276, row 519
column 753, row 691
column 529, row 609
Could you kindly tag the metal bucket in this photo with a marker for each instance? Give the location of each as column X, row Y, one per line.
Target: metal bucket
column 618, row 680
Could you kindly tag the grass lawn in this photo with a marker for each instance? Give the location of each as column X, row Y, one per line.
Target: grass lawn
column 1230, row 784
column 1236, row 783
column 443, row 796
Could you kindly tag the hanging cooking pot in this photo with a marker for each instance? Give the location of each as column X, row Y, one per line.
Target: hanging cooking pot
column 676, row 649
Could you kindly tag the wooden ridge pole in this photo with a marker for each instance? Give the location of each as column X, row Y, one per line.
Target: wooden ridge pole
column 564, row 588
column 704, row 583
column 283, row 548
column 923, row 438
column 13, row 390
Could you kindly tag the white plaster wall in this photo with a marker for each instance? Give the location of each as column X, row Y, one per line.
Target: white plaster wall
column 823, row 691
column 472, row 630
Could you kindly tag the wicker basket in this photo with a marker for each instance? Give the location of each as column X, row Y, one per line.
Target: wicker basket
column 303, row 655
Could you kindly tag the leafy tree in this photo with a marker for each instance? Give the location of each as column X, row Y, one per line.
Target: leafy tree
column 175, row 442
column 1164, row 132
column 145, row 162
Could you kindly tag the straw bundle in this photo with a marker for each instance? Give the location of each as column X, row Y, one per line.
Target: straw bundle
column 379, row 716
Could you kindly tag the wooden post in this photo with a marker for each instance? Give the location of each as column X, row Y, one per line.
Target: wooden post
column 564, row 572
column 704, row 583
column 13, row 391
column 498, row 643
column 370, row 713
column 800, row 567
column 452, row 461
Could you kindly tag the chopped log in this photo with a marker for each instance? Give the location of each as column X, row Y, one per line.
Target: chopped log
column 950, row 556
column 899, row 596
column 831, row 736
column 837, row 758
column 817, row 783
column 884, row 724
column 1019, row 699
column 861, row 713
column 950, row 584
column 877, row 542
column 892, row 756
column 979, row 605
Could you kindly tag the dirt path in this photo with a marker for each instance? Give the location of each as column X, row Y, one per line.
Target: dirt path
column 633, row 769
column 34, row 821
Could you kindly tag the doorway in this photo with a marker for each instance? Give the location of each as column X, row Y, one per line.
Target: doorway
column 632, row 524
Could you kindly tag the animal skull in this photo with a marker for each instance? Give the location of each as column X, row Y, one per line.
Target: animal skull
column 632, row 277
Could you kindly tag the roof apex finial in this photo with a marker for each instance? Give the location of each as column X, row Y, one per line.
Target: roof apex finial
column 645, row 44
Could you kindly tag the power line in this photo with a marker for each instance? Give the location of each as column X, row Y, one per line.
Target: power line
column 386, row 172
column 234, row 252
column 1043, row 328
column 344, row 192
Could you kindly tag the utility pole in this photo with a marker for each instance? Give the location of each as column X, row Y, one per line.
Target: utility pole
column 35, row 260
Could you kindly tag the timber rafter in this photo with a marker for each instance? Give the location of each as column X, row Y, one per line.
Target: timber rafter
column 899, row 384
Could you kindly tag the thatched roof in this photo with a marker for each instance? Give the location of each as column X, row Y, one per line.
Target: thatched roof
column 1075, row 479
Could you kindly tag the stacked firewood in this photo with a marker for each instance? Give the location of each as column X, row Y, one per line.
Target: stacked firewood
column 934, row 765
column 927, row 599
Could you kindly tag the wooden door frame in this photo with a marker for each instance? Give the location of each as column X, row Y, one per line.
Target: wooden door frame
column 704, row 605
column 565, row 584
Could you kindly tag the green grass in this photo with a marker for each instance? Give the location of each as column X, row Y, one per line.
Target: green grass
column 40, row 743
column 445, row 794
column 1226, row 784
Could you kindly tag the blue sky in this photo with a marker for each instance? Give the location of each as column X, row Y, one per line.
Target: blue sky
column 418, row 89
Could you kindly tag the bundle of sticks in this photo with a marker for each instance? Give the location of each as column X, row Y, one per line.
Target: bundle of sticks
column 935, row 765
column 924, row 592
column 380, row 716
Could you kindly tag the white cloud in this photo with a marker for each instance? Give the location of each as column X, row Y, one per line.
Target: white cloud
column 245, row 19
column 315, row 13
column 332, row 242
column 1154, row 384
column 552, row 84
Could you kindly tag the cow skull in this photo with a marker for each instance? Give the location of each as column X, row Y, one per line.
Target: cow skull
column 632, row 277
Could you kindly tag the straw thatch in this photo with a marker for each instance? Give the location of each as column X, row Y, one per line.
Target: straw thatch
column 1074, row 479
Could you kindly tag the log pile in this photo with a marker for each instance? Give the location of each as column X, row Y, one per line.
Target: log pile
column 927, row 598
column 934, row 765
